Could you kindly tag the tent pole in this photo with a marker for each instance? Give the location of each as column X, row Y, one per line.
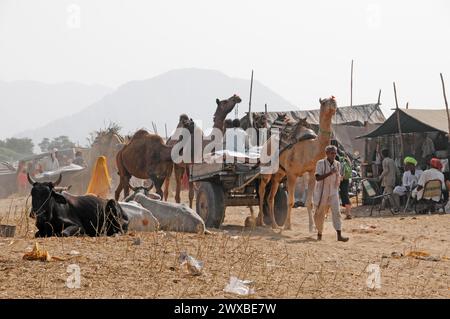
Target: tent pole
column 446, row 105
column 379, row 97
column 351, row 86
column 397, row 110
column 448, row 118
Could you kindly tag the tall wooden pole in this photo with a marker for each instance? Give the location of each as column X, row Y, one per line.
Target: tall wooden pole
column 265, row 108
column 446, row 106
column 407, row 105
column 250, row 102
column 351, row 86
column 379, row 97
column 165, row 127
column 398, row 123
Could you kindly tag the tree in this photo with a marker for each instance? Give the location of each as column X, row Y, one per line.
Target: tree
column 19, row 145
column 60, row 142
column 44, row 144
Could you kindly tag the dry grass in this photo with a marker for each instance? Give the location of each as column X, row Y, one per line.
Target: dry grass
column 290, row 264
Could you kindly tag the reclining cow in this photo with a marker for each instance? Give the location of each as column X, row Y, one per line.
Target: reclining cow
column 68, row 215
column 171, row 216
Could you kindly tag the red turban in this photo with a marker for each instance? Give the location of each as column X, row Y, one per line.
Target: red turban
column 436, row 163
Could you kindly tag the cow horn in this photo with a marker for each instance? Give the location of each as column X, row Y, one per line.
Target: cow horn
column 320, row 100
column 30, row 180
column 58, row 180
column 132, row 188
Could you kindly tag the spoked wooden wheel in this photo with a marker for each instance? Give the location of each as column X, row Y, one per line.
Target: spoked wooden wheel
column 210, row 204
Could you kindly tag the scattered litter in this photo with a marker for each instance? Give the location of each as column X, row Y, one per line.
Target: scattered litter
column 240, row 287
column 39, row 254
column 193, row 266
column 234, row 237
column 74, row 252
column 396, row 254
column 417, row 254
column 423, row 255
column 364, row 229
column 136, row 241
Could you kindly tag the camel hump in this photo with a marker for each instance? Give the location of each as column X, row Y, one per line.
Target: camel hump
column 140, row 134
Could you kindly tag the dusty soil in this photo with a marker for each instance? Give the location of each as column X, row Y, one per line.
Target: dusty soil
column 290, row 264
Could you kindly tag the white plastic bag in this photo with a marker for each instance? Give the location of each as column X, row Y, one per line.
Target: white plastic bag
column 193, row 266
column 240, row 287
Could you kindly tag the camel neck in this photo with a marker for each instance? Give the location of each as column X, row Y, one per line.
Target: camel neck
column 325, row 131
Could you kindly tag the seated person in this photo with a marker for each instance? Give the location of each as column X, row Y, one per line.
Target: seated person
column 430, row 174
column 79, row 160
column 410, row 178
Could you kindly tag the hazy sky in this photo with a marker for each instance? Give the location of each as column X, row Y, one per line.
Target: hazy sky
column 302, row 50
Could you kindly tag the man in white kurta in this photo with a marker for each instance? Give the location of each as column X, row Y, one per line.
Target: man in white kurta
column 326, row 192
column 410, row 179
column 434, row 173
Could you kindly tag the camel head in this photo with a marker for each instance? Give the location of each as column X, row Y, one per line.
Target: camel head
column 224, row 107
column 188, row 124
column 259, row 120
column 328, row 106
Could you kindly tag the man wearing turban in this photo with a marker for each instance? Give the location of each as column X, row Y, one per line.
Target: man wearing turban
column 410, row 179
column 435, row 172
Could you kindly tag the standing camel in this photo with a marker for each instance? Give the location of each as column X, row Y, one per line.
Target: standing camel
column 224, row 107
column 146, row 156
column 301, row 158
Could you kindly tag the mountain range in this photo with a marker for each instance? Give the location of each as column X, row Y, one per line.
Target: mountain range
column 160, row 100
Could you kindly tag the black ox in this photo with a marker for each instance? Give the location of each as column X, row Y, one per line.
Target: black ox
column 68, row 215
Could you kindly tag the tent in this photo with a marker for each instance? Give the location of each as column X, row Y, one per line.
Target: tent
column 412, row 121
column 356, row 115
column 348, row 123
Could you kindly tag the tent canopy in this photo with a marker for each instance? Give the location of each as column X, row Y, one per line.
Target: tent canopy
column 356, row 115
column 412, row 121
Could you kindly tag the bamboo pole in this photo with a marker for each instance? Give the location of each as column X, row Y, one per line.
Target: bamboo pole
column 379, row 97
column 398, row 122
column 265, row 108
column 165, row 127
column 446, row 107
column 250, row 102
column 351, row 86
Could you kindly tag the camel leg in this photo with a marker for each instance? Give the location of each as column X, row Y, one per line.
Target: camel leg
column 261, row 192
column 309, row 204
column 118, row 190
column 271, row 199
column 191, row 190
column 167, row 183
column 291, row 181
column 126, row 186
column 178, row 176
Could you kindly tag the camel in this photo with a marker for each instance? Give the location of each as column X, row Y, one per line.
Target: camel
column 301, row 158
column 146, row 156
column 224, row 107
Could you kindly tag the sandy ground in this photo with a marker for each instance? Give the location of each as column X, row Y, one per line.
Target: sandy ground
column 290, row 264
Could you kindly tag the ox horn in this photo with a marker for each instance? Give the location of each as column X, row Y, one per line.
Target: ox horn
column 58, row 180
column 30, row 180
column 320, row 100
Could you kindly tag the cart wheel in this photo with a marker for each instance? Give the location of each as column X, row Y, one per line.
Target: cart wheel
column 280, row 207
column 210, row 204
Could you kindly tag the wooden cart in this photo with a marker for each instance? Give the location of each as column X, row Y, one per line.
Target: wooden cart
column 231, row 184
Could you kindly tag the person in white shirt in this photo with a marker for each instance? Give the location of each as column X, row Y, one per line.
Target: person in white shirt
column 430, row 174
column 52, row 163
column 326, row 192
column 236, row 139
column 428, row 148
column 410, row 179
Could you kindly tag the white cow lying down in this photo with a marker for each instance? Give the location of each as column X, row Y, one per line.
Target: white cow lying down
column 139, row 218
